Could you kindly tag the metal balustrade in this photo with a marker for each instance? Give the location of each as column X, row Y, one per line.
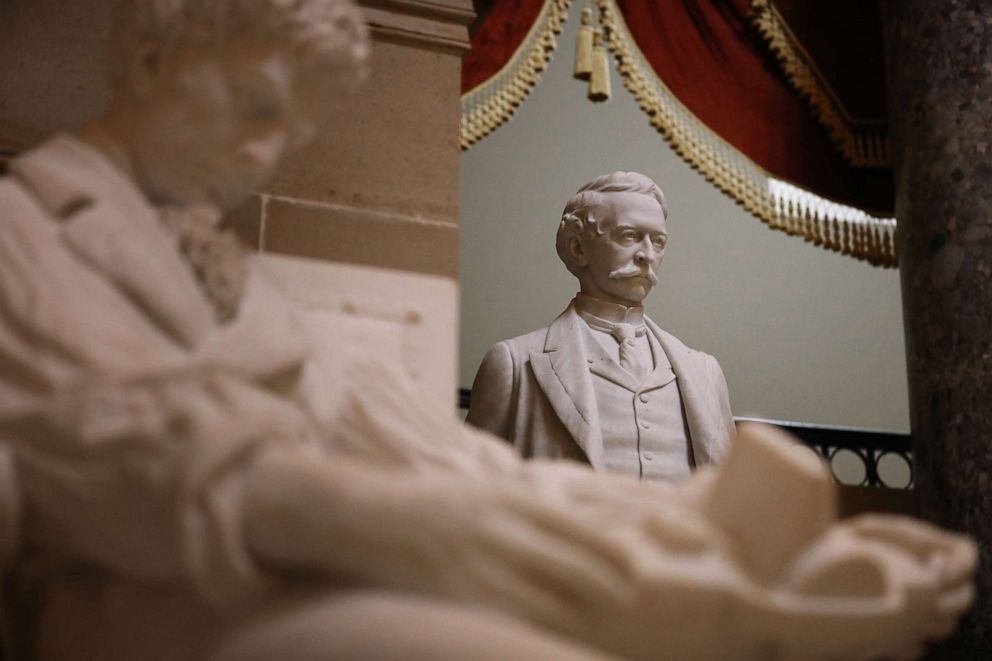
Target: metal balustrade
column 857, row 457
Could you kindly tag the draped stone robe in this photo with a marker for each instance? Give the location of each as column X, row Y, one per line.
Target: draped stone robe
column 126, row 413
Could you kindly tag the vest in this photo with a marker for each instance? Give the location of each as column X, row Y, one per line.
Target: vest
column 643, row 426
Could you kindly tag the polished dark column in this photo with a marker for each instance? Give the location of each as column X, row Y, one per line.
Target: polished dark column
column 940, row 87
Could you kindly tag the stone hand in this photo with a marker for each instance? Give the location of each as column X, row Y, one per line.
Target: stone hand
column 874, row 586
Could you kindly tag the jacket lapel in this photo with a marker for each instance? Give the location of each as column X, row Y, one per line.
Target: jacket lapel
column 662, row 374
column 106, row 221
column 562, row 372
column 703, row 433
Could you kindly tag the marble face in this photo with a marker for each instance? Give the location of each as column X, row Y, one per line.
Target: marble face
column 621, row 262
column 211, row 126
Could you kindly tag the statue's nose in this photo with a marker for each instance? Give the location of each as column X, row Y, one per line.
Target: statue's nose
column 645, row 254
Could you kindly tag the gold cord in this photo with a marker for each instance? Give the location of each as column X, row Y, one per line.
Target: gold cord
column 493, row 102
column 781, row 205
column 862, row 142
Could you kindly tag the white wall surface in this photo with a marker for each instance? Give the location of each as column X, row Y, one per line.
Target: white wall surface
column 802, row 333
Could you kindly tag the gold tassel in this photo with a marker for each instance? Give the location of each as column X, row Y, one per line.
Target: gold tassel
column 583, row 47
column 599, row 79
column 876, row 246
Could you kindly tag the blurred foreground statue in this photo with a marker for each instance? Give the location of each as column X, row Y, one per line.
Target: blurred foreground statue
column 179, row 481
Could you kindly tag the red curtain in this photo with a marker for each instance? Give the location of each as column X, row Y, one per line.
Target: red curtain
column 717, row 64
column 708, row 53
column 497, row 39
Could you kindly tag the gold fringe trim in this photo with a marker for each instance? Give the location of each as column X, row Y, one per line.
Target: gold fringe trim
column 863, row 143
column 493, row 102
column 780, row 204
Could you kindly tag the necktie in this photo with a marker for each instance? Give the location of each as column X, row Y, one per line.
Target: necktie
column 631, row 359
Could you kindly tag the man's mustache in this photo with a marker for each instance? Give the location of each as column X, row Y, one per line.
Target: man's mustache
column 634, row 272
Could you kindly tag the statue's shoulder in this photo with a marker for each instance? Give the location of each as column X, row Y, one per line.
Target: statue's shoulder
column 522, row 345
column 16, row 201
column 24, row 219
column 673, row 343
column 44, row 181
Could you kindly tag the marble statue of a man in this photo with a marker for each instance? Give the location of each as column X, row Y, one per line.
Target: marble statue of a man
column 603, row 384
column 178, row 480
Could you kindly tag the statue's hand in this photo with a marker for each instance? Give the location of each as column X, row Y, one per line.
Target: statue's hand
column 949, row 559
column 877, row 586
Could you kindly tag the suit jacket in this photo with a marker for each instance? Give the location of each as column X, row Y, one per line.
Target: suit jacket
column 536, row 391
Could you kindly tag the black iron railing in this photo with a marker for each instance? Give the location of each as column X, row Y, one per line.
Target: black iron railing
column 858, row 457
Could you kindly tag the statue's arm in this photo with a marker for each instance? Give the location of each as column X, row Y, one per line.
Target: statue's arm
column 493, row 392
column 145, row 476
column 722, row 403
column 499, row 543
column 636, row 580
column 221, row 488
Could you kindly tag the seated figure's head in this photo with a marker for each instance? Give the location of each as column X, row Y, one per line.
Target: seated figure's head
column 211, row 94
column 612, row 237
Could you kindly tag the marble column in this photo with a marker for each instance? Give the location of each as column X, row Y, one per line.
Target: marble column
column 940, row 88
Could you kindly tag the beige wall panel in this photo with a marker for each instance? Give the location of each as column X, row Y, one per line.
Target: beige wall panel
column 358, row 236
column 246, row 221
column 52, row 66
column 399, row 152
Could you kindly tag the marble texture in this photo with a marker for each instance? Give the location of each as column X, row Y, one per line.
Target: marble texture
column 940, row 84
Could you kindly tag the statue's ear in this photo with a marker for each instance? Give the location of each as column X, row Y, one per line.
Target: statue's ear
column 577, row 251
column 145, row 68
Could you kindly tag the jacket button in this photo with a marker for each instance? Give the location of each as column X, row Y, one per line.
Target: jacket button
column 645, row 425
column 643, row 398
column 648, row 456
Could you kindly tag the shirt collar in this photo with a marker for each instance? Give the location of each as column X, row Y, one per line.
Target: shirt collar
column 610, row 312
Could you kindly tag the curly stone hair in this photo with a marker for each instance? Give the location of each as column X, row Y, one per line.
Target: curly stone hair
column 325, row 34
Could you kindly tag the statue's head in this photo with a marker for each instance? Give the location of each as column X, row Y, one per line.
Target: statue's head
column 612, row 237
column 212, row 94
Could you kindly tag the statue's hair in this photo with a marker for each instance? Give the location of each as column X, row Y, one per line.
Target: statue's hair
column 578, row 218
column 323, row 34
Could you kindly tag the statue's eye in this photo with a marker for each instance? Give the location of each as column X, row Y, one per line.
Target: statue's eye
column 659, row 242
column 628, row 236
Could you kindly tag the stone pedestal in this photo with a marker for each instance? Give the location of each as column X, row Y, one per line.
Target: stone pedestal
column 940, row 84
